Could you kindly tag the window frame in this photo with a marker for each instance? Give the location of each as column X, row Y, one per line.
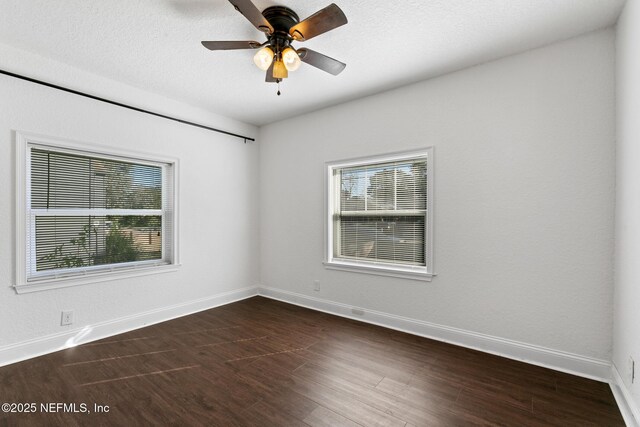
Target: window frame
column 423, row 273
column 24, row 282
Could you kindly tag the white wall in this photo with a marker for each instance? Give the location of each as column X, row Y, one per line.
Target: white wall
column 627, row 267
column 217, row 197
column 524, row 196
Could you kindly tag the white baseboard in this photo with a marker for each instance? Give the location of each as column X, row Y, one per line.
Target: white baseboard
column 628, row 407
column 549, row 358
column 48, row 344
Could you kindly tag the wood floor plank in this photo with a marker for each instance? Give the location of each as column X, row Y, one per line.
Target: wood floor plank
column 340, row 372
column 565, row 406
column 260, row 362
column 355, row 370
column 290, row 403
column 344, row 404
column 322, row 417
column 365, row 394
column 383, row 367
column 476, row 408
column 264, row 415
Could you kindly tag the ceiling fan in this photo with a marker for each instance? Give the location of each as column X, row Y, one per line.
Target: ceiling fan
column 283, row 27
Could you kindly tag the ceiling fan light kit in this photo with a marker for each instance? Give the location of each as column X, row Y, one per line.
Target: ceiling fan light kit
column 279, row 70
column 263, row 58
column 282, row 27
column 291, row 59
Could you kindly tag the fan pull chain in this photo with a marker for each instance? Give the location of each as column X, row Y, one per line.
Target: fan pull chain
column 278, row 87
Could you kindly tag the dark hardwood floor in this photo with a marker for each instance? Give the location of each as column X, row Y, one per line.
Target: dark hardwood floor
column 260, row 362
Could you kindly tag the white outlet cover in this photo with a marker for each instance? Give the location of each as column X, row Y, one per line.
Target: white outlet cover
column 67, row 318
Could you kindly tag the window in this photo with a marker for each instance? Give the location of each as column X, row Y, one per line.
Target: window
column 379, row 215
column 91, row 215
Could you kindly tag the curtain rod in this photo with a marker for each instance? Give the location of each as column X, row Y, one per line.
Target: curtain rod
column 119, row 104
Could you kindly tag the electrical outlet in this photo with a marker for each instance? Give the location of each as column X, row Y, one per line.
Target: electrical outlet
column 632, row 369
column 316, row 285
column 67, row 318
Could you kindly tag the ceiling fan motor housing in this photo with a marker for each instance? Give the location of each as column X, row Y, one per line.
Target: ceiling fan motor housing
column 281, row 19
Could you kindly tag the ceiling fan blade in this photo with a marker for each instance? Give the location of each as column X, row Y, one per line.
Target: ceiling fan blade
column 320, row 22
column 323, row 62
column 251, row 12
column 230, row 45
column 269, row 77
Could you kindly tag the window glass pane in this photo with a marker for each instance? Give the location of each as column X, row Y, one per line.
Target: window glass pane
column 384, row 187
column 353, row 190
column 412, row 186
column 67, row 181
column 382, row 213
column 392, row 239
column 381, row 188
column 82, row 241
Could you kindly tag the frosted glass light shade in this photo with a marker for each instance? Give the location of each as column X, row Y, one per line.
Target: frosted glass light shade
column 280, row 70
column 291, row 59
column 263, row 58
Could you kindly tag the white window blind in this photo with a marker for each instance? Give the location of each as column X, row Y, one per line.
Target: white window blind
column 90, row 213
column 379, row 213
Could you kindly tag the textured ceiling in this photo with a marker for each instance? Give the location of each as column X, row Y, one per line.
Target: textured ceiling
column 155, row 44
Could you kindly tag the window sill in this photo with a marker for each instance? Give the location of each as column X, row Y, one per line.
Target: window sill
column 379, row 270
column 64, row 282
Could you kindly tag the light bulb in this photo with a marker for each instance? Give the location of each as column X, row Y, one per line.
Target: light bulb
column 291, row 59
column 263, row 58
column 279, row 70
